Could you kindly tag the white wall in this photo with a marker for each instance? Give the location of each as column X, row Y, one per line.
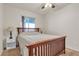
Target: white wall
column 1, row 32
column 65, row 21
column 12, row 17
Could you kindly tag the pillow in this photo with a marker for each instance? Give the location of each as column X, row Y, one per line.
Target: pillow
column 30, row 33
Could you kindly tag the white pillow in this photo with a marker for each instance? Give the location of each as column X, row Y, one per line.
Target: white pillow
column 30, row 33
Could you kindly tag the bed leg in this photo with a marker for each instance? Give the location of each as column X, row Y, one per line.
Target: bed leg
column 64, row 51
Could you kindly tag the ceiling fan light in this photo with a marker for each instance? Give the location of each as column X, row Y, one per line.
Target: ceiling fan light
column 50, row 5
column 46, row 5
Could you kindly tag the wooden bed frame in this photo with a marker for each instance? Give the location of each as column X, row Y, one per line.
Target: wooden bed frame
column 51, row 47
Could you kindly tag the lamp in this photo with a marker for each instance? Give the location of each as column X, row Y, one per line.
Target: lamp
column 10, row 29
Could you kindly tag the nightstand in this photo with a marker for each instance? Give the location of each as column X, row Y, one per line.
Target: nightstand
column 10, row 43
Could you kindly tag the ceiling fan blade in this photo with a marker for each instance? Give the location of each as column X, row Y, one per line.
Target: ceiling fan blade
column 42, row 7
column 53, row 6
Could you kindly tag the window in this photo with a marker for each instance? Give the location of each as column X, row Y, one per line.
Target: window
column 28, row 22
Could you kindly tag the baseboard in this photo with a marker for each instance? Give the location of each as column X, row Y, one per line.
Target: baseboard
column 1, row 52
column 73, row 49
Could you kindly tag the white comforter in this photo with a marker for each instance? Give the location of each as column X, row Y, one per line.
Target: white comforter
column 30, row 38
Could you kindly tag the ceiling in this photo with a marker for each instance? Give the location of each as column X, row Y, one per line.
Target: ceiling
column 36, row 7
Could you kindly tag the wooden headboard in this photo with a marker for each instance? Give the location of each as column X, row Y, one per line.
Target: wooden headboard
column 19, row 30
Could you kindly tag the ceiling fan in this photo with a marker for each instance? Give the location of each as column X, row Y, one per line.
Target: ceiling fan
column 48, row 5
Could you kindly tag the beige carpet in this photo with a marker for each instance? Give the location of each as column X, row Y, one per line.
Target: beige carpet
column 16, row 52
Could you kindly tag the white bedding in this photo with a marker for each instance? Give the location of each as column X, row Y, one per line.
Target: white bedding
column 30, row 38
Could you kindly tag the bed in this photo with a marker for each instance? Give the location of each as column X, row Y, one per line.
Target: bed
column 33, row 43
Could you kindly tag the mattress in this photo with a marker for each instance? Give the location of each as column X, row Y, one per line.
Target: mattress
column 31, row 38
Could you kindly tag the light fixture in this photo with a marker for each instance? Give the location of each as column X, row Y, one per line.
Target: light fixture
column 48, row 5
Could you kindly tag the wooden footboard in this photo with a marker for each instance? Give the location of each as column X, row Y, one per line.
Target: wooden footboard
column 47, row 48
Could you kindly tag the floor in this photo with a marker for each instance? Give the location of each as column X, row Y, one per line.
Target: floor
column 16, row 52
column 11, row 52
column 70, row 52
